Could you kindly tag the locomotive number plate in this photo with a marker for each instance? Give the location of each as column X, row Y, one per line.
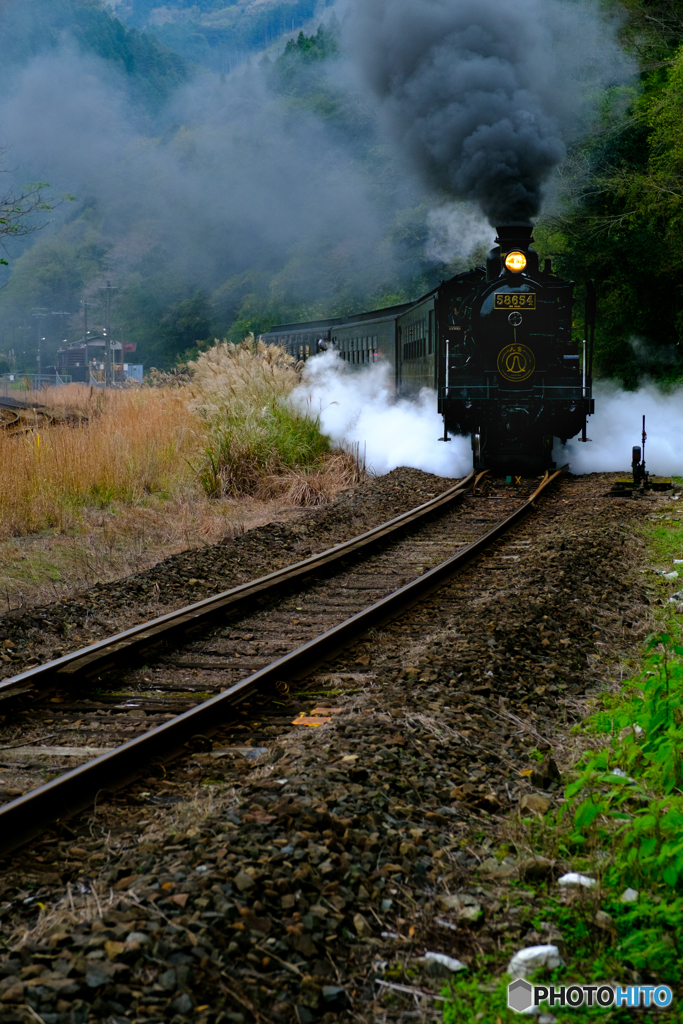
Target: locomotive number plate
column 514, row 300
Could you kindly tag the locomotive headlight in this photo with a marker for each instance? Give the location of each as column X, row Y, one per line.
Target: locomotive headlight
column 515, row 261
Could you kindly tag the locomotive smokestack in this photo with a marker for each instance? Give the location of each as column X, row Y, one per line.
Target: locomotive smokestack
column 514, row 236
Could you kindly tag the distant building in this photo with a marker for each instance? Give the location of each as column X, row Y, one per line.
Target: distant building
column 83, row 360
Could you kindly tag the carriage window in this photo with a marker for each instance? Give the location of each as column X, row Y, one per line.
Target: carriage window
column 415, row 349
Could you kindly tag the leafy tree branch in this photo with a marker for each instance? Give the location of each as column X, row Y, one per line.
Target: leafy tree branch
column 18, row 210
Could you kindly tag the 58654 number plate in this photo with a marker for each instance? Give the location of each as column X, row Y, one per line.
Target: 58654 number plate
column 514, row 300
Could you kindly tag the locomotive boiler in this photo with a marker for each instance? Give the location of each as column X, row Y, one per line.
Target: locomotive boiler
column 498, row 345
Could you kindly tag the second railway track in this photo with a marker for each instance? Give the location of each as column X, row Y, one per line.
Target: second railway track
column 143, row 695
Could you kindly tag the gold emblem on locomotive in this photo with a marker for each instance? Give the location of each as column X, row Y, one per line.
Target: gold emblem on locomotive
column 516, row 363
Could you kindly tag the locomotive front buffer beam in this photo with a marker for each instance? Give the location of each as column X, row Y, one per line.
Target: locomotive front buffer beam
column 515, row 432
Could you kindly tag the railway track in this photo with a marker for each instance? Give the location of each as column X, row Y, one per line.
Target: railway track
column 146, row 695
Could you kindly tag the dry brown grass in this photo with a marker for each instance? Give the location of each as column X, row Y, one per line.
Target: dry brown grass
column 308, row 488
column 119, row 480
column 132, row 444
column 109, row 544
column 68, row 399
column 237, row 380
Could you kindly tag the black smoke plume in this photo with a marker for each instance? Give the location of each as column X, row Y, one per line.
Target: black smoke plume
column 483, row 96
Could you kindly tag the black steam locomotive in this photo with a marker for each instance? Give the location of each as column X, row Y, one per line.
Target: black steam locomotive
column 495, row 343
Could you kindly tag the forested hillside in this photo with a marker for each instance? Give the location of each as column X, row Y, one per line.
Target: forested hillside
column 218, row 34
column 219, row 204
column 35, row 27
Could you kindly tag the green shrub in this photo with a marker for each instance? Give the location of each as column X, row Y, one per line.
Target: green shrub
column 241, row 392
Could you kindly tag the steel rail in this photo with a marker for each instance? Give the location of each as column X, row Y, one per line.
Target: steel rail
column 28, row 815
column 98, row 656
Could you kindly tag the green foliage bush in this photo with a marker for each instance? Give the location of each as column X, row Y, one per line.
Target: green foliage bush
column 248, row 449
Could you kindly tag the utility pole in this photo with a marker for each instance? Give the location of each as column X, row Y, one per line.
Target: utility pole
column 40, row 312
column 23, row 351
column 85, row 318
column 85, row 336
column 60, row 312
column 108, row 374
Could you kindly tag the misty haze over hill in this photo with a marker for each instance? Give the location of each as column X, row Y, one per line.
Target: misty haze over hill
column 221, row 203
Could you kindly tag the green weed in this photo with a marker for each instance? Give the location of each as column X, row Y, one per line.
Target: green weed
column 481, row 999
column 629, row 795
column 247, row 449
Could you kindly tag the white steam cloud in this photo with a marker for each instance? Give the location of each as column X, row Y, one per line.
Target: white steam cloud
column 358, row 407
column 616, row 428
column 456, row 229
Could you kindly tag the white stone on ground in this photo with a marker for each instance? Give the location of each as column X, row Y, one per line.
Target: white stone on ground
column 573, row 878
column 531, row 959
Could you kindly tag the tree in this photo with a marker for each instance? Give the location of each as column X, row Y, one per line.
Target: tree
column 623, row 227
column 17, row 212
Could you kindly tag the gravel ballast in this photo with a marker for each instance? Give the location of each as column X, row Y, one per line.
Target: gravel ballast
column 33, row 635
column 296, row 873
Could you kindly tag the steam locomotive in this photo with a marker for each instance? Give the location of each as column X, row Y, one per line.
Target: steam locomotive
column 495, row 343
